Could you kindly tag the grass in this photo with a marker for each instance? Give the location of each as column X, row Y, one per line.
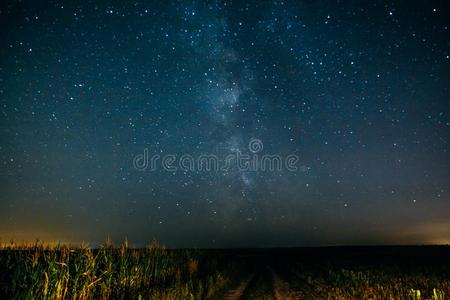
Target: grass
column 59, row 272
column 108, row 272
column 406, row 273
column 373, row 284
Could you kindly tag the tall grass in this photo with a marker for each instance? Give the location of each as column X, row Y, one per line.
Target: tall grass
column 60, row 272
column 154, row 272
column 381, row 282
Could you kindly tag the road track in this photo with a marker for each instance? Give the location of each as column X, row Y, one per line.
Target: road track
column 237, row 293
column 281, row 289
column 264, row 284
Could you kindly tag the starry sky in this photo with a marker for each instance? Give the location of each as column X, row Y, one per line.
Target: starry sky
column 357, row 90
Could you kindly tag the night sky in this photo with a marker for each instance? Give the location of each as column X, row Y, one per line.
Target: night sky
column 357, row 90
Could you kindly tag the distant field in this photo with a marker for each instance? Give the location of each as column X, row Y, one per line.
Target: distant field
column 36, row 272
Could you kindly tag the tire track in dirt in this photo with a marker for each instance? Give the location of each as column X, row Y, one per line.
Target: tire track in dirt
column 237, row 293
column 276, row 288
column 261, row 287
column 281, row 289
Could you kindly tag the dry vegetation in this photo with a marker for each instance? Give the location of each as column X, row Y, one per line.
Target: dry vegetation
column 154, row 272
column 60, row 272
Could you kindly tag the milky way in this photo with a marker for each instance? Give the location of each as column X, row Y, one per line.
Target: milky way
column 358, row 92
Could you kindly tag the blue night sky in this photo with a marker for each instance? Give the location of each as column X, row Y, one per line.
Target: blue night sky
column 358, row 91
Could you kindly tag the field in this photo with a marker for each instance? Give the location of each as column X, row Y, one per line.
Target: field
column 108, row 272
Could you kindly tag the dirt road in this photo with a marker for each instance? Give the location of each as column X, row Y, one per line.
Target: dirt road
column 264, row 284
